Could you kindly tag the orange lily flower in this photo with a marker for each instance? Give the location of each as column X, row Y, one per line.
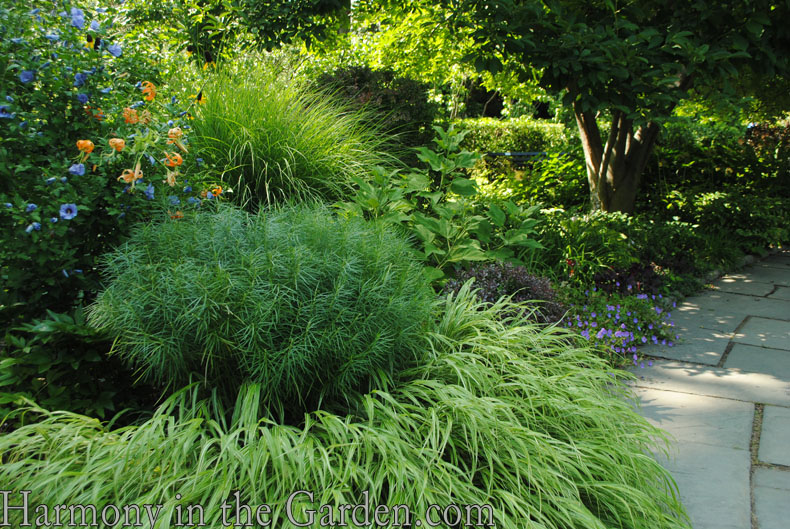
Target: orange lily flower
column 117, row 143
column 85, row 146
column 130, row 115
column 149, row 90
column 171, row 178
column 130, row 176
column 175, row 135
column 216, row 191
column 145, row 117
column 173, row 159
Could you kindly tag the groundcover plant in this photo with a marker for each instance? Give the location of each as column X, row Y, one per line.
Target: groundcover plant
column 498, row 412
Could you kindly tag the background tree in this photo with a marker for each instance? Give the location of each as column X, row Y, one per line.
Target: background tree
column 628, row 63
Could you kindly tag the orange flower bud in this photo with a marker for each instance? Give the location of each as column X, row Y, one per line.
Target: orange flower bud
column 118, row 144
column 175, row 133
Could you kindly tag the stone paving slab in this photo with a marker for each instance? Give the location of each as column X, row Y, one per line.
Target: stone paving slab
column 772, row 498
column 702, row 346
column 699, row 419
column 710, row 462
column 765, row 274
column 765, row 332
column 779, row 260
column 688, row 317
column 775, row 437
column 718, row 303
column 781, row 293
column 759, row 360
column 714, row 382
column 751, row 288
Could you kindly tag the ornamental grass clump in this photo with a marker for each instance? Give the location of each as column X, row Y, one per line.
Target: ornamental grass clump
column 499, row 412
column 272, row 137
column 306, row 304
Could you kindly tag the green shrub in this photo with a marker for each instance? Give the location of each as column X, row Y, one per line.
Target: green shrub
column 437, row 205
column 514, row 135
column 62, row 364
column 400, row 103
column 67, row 74
column 503, row 413
column 305, row 304
column 272, row 138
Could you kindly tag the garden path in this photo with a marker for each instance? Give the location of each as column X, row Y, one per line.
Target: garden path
column 723, row 392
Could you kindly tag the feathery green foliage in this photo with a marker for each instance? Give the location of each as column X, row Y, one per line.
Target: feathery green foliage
column 273, row 137
column 304, row 303
column 500, row 412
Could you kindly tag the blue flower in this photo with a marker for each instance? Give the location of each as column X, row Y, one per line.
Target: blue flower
column 95, row 26
column 68, row 211
column 193, row 200
column 5, row 114
column 77, row 18
column 50, row 181
column 149, row 192
column 106, row 90
column 79, row 79
column 82, row 98
column 151, row 159
column 138, row 104
column 187, row 189
column 77, row 271
column 22, row 124
column 46, row 65
column 173, row 100
column 53, row 220
column 9, row 99
column 65, row 274
column 27, row 75
column 199, row 161
column 77, row 169
column 9, row 205
column 174, row 200
column 52, row 37
column 18, row 40
column 30, row 207
column 64, row 179
column 115, row 50
column 35, row 11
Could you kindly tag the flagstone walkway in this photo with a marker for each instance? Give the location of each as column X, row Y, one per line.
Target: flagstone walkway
column 724, row 393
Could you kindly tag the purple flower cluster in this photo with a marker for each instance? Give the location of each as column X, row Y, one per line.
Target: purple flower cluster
column 620, row 324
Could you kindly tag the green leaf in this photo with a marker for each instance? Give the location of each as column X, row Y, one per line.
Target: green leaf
column 463, row 187
column 497, row 215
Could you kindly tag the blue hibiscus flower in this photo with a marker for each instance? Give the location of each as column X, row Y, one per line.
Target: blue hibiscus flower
column 77, row 18
column 77, row 169
column 149, row 192
column 115, row 50
column 82, row 98
column 79, row 79
column 68, row 211
column 27, row 75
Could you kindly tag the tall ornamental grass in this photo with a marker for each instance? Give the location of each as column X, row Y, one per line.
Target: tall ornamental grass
column 306, row 304
column 500, row 412
column 274, row 137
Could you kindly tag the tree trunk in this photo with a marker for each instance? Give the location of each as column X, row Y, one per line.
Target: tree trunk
column 614, row 169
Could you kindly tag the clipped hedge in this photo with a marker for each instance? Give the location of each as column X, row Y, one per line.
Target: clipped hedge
column 516, row 135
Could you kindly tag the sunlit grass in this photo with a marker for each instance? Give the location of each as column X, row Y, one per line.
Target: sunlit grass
column 500, row 412
column 273, row 137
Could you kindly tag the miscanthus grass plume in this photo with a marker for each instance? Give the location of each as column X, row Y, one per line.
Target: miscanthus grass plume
column 500, row 412
column 273, row 137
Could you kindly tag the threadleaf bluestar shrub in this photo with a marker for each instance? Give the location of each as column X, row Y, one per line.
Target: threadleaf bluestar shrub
column 308, row 305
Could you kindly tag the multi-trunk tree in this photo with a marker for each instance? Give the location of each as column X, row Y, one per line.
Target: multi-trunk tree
column 628, row 63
